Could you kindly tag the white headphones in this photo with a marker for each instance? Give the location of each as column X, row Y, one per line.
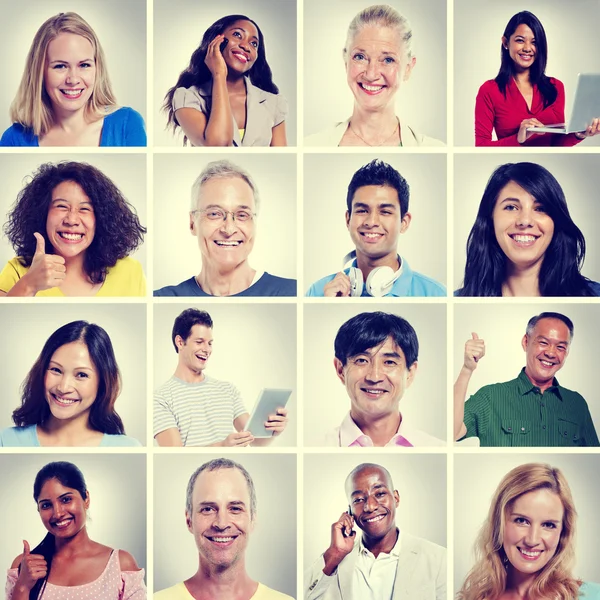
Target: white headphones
column 379, row 281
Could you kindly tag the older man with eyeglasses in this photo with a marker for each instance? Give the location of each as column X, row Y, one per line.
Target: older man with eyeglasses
column 223, row 217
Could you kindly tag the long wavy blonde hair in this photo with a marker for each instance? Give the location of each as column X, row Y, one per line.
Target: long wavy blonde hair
column 487, row 579
column 32, row 107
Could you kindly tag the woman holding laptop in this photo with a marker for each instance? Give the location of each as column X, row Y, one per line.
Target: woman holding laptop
column 522, row 96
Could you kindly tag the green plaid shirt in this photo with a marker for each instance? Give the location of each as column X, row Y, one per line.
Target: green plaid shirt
column 517, row 413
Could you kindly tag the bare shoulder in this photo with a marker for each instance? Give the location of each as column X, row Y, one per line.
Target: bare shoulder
column 16, row 562
column 127, row 562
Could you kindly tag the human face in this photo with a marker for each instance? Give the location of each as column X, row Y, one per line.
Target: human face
column 221, row 521
column 373, row 502
column 523, row 228
column 242, row 50
column 546, row 350
column 71, row 222
column 62, row 509
column 521, row 47
column 71, row 382
column 70, row 72
column 375, row 222
column 376, row 63
column 226, row 244
column 532, row 530
column 376, row 380
column 196, row 350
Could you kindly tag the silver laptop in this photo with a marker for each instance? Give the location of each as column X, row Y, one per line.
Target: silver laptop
column 586, row 106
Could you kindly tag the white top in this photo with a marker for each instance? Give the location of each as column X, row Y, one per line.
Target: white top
column 202, row 412
column 349, row 433
column 374, row 577
column 333, row 136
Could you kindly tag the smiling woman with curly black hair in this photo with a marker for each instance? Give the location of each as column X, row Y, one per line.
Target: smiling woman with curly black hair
column 72, row 231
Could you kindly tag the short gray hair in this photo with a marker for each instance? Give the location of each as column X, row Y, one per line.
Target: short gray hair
column 382, row 15
column 215, row 465
column 222, row 169
column 550, row 315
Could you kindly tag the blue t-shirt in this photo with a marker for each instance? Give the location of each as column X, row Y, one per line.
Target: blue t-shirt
column 409, row 283
column 589, row 591
column 24, row 437
column 123, row 127
column 267, row 285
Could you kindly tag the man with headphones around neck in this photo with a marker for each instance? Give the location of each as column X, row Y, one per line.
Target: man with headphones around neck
column 377, row 213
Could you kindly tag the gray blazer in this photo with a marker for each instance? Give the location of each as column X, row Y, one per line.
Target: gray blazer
column 264, row 111
column 420, row 575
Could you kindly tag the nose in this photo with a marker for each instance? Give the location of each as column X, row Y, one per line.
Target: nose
column 372, row 70
column 64, row 385
column 370, row 504
column 533, row 536
column 221, row 521
column 228, row 225
column 71, row 76
column 374, row 372
column 372, row 219
column 525, row 217
column 71, row 218
column 58, row 510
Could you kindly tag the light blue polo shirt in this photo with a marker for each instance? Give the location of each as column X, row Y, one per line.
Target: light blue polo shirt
column 409, row 283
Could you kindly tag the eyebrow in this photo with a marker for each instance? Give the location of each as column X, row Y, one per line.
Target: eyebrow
column 377, row 486
column 75, row 369
column 239, row 207
column 66, row 62
column 214, row 504
column 70, row 201
column 514, row 514
column 547, row 339
column 382, row 205
column 48, row 499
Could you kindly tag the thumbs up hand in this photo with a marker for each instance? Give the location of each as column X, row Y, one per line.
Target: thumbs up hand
column 474, row 351
column 46, row 270
column 33, row 567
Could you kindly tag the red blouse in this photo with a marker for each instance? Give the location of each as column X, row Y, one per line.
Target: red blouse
column 494, row 111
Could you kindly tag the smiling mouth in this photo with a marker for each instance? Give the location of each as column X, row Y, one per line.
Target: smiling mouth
column 72, row 94
column 374, row 519
column 524, row 240
column 547, row 364
column 240, row 56
column 222, row 540
column 70, row 237
column 63, row 524
column 530, row 554
column 64, row 401
column 228, row 243
column 371, row 235
column 371, row 89
column 373, row 392
column 201, row 357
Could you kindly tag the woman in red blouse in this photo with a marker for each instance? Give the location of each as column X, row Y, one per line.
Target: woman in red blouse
column 521, row 95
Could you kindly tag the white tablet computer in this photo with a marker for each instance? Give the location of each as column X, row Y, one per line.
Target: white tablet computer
column 269, row 400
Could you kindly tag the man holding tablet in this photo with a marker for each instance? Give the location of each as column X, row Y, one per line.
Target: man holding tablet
column 193, row 409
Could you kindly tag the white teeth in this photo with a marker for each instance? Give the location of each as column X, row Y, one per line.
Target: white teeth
column 71, row 236
column 372, row 235
column 371, row 88
column 72, row 92
column 62, row 523
column 374, row 391
column 378, row 518
column 227, row 243
column 523, row 238
column 65, row 400
column 546, row 363
column 532, row 554
column 222, row 540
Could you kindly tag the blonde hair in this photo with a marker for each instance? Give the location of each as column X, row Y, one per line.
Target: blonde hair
column 32, row 107
column 487, row 579
column 381, row 15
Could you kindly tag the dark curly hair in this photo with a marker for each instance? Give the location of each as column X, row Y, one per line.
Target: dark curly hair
column 118, row 229
column 198, row 73
column 102, row 417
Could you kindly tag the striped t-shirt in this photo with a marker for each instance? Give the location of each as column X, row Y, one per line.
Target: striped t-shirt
column 202, row 412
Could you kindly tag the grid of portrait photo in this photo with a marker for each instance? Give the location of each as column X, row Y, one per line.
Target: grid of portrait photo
column 298, row 299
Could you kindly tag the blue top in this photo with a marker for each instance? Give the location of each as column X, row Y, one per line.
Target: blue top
column 410, row 283
column 267, row 285
column 589, row 591
column 594, row 287
column 123, row 127
column 22, row 437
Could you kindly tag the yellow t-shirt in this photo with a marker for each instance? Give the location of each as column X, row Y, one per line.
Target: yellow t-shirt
column 180, row 592
column 126, row 278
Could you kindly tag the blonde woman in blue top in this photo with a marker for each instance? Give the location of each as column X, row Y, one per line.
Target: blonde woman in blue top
column 65, row 97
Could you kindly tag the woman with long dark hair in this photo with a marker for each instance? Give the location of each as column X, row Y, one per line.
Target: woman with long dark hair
column 72, row 231
column 524, row 242
column 68, row 397
column 67, row 564
column 526, row 546
column 226, row 96
column 522, row 95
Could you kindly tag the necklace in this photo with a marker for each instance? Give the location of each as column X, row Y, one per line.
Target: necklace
column 396, row 128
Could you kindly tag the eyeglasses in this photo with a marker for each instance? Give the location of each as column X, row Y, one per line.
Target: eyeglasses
column 218, row 214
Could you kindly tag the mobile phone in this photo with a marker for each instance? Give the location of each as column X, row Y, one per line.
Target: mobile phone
column 223, row 44
column 349, row 511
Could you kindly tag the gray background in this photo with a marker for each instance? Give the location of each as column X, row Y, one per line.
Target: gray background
column 478, row 29
column 124, row 323
column 419, row 479
column 254, row 347
column 475, row 480
column 127, row 172
column 502, row 326
column 326, row 237
column 271, row 552
column 117, row 513
column 176, row 253
column 120, row 27
column 420, row 101
column 178, row 29
column 326, row 401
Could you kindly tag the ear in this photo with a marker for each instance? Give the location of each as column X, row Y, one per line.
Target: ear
column 409, row 67
column 339, row 369
column 397, row 498
column 188, row 521
column 192, row 224
column 406, row 219
column 348, row 219
column 524, row 342
column 86, row 501
column 504, row 42
column 412, row 371
column 179, row 341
